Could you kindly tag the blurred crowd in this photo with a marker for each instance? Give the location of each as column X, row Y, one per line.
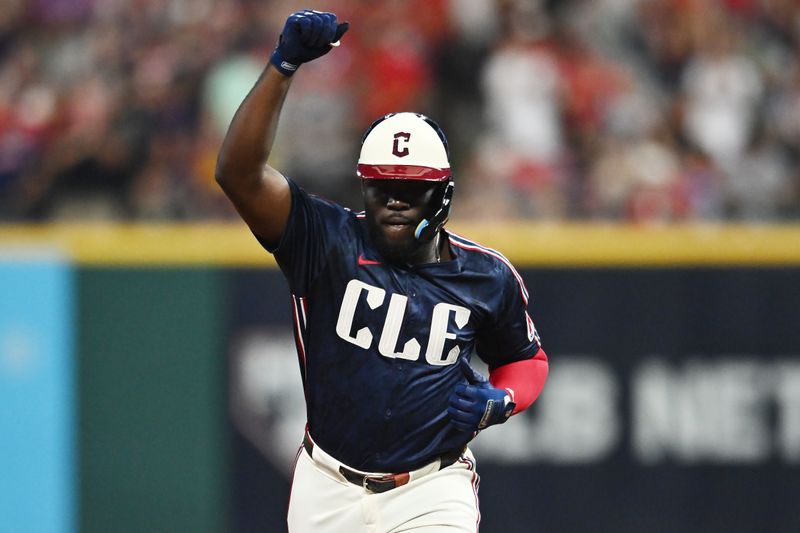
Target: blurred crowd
column 636, row 110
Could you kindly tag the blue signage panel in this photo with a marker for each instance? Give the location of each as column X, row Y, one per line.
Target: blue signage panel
column 37, row 413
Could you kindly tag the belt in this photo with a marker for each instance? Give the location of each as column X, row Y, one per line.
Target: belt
column 383, row 482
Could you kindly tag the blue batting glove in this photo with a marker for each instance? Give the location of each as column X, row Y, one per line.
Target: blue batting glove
column 306, row 36
column 477, row 404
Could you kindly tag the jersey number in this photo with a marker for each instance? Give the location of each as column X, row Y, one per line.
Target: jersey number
column 387, row 345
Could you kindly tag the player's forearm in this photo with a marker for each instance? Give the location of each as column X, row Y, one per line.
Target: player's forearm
column 523, row 379
column 248, row 143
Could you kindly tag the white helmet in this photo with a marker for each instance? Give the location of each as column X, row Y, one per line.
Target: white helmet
column 409, row 146
column 406, row 146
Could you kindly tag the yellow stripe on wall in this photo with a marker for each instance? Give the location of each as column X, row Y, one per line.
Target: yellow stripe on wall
column 529, row 244
column 144, row 244
column 628, row 245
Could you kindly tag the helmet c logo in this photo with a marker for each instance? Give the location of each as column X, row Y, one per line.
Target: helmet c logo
column 396, row 150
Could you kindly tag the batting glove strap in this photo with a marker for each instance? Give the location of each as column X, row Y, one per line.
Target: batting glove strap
column 476, row 407
column 306, row 36
column 284, row 67
column 497, row 412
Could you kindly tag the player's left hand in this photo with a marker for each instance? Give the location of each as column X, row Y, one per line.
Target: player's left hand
column 477, row 404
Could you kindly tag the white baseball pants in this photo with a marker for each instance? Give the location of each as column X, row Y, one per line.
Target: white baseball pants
column 323, row 501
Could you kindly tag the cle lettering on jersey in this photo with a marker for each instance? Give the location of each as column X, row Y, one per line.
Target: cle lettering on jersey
column 387, row 344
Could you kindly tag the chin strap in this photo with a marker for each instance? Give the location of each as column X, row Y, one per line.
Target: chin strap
column 427, row 228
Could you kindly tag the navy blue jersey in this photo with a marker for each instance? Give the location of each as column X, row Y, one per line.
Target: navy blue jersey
column 378, row 342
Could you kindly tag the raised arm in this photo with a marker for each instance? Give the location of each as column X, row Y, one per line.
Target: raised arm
column 258, row 191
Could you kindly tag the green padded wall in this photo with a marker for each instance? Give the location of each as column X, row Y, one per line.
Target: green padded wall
column 152, row 442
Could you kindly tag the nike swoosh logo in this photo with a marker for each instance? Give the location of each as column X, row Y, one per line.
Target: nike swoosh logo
column 364, row 261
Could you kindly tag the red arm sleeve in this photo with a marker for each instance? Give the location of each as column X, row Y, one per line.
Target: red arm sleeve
column 523, row 380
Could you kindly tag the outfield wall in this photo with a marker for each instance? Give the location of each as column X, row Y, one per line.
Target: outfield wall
column 673, row 402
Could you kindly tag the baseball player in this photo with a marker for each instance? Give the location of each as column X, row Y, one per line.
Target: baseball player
column 389, row 307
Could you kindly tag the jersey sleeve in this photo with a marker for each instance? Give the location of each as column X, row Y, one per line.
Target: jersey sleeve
column 511, row 335
column 309, row 238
